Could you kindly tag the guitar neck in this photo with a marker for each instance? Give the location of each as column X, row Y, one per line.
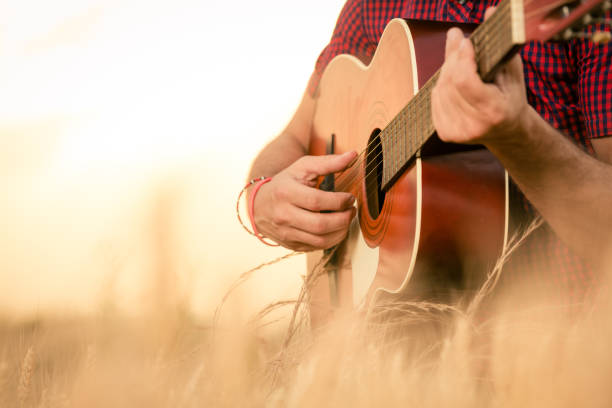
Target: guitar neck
column 495, row 41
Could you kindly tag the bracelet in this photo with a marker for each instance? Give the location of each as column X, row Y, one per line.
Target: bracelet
column 258, row 182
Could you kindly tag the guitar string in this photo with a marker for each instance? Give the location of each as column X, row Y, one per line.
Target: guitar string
column 414, row 104
column 418, row 101
column 350, row 179
column 348, row 176
column 411, row 106
column 502, row 11
column 379, row 142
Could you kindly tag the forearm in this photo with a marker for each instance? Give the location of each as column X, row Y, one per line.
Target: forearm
column 277, row 155
column 289, row 209
column 570, row 189
column 290, row 145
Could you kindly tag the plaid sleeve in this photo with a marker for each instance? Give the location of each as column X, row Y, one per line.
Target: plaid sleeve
column 349, row 37
column 595, row 83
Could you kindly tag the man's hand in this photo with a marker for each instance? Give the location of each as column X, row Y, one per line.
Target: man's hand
column 467, row 110
column 289, row 208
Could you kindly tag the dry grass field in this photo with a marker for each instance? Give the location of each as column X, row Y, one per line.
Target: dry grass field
column 126, row 131
column 526, row 353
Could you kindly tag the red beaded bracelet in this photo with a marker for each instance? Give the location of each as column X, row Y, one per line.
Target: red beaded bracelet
column 258, row 182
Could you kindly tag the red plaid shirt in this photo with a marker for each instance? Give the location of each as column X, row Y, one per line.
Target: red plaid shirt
column 569, row 84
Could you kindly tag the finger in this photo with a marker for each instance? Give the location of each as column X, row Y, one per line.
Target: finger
column 313, row 199
column 322, row 223
column 465, row 76
column 321, row 165
column 510, row 80
column 305, row 241
column 454, row 108
column 470, row 86
column 513, row 70
column 489, row 12
column 453, row 39
column 438, row 119
column 449, row 115
column 466, row 56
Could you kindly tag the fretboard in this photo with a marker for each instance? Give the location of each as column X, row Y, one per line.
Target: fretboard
column 495, row 40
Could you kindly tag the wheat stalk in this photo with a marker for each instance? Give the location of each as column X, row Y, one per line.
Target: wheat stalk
column 27, row 367
column 242, row 279
column 91, row 358
column 493, row 277
column 4, row 380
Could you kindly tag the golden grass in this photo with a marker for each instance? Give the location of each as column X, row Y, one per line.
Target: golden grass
column 25, row 377
column 526, row 349
column 426, row 356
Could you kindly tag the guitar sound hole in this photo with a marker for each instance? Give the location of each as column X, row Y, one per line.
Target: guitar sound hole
column 374, row 171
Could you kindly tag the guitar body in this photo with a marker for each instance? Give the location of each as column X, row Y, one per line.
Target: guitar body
column 442, row 224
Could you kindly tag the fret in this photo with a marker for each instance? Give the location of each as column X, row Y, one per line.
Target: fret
column 403, row 135
column 420, row 118
column 413, row 132
column 393, row 135
column 493, row 40
column 496, row 36
column 385, row 152
column 407, row 135
column 398, row 131
column 409, row 138
column 389, row 150
column 398, row 154
column 409, row 119
column 412, row 144
column 394, row 156
column 389, row 138
column 393, row 149
column 430, row 126
column 495, row 49
column 401, row 128
column 426, row 120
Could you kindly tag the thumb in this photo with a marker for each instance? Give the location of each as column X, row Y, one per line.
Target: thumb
column 453, row 39
column 322, row 165
column 489, row 12
column 466, row 51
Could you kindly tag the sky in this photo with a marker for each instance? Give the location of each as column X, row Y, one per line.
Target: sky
column 127, row 130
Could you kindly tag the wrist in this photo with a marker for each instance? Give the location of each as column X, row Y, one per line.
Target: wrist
column 517, row 136
column 256, row 185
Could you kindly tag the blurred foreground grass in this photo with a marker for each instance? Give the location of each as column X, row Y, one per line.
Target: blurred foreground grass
column 76, row 169
column 536, row 356
column 529, row 352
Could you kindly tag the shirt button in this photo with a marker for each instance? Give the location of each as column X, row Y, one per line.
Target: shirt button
column 461, row 1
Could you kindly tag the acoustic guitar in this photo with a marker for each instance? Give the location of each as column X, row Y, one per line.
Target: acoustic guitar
column 432, row 217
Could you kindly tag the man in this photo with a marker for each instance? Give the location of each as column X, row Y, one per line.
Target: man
column 550, row 132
